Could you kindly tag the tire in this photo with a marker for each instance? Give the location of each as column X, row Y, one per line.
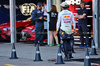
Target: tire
column 19, row 33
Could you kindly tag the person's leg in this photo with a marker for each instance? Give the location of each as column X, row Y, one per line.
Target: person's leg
column 69, row 49
column 56, row 38
column 37, row 30
column 41, row 34
column 85, row 29
column 65, row 46
column 61, row 42
column 81, row 35
column 51, row 38
column 72, row 44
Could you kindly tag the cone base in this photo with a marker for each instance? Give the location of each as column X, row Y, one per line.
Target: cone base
column 38, row 60
column 73, row 52
column 93, row 54
column 59, row 63
column 14, row 58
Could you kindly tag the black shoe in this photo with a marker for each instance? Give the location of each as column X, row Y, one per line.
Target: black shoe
column 35, row 45
column 87, row 46
column 70, row 55
column 81, row 46
column 65, row 57
column 42, row 45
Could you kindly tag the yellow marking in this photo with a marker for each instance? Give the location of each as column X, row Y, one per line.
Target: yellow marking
column 62, row 33
column 56, row 29
column 57, row 19
column 9, row 65
column 62, row 41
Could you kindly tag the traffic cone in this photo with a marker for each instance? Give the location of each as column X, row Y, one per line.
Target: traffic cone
column 59, row 57
column 37, row 55
column 87, row 59
column 13, row 54
column 93, row 50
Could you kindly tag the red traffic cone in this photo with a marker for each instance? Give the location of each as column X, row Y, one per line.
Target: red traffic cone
column 93, row 50
column 37, row 55
column 59, row 57
column 87, row 59
column 13, row 54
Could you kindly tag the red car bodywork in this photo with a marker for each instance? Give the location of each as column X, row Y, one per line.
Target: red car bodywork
column 28, row 30
column 28, row 34
column 5, row 34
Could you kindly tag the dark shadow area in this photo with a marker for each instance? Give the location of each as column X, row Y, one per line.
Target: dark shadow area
column 92, row 60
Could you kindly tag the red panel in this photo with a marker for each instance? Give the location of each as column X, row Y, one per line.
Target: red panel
column 72, row 8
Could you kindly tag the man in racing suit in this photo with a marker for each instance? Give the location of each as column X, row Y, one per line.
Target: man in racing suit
column 65, row 17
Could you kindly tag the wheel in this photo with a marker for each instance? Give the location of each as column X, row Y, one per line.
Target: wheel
column 19, row 33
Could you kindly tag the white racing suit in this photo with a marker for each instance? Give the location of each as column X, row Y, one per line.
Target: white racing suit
column 65, row 18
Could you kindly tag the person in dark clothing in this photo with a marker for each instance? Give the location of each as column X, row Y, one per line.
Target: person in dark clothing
column 52, row 24
column 37, row 15
column 82, row 25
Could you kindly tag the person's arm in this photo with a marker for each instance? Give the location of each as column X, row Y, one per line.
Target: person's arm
column 77, row 14
column 58, row 22
column 44, row 9
column 34, row 17
column 82, row 16
column 73, row 21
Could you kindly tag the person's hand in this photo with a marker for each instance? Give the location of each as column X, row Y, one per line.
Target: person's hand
column 56, row 33
column 40, row 18
column 74, row 30
column 44, row 18
column 99, row 18
column 44, row 8
column 77, row 16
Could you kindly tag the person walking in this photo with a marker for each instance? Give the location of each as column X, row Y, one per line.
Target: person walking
column 65, row 17
column 82, row 25
column 52, row 24
column 37, row 16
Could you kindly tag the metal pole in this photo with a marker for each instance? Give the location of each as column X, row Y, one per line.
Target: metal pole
column 98, row 12
column 48, row 8
column 13, row 21
column 96, row 22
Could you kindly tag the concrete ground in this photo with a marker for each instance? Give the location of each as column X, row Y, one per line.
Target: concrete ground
column 26, row 55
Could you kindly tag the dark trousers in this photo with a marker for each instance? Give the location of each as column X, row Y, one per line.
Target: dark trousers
column 39, row 32
column 66, row 43
column 82, row 28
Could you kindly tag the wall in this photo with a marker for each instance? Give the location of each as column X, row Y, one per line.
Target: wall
column 21, row 13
